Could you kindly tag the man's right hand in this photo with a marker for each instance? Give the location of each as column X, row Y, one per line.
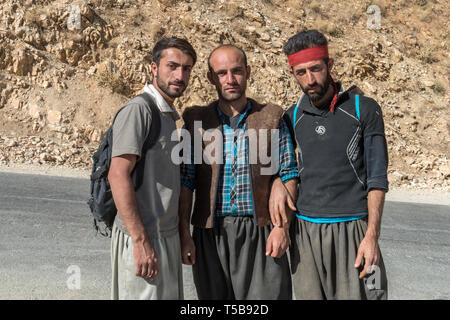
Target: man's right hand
column 145, row 260
column 278, row 242
column 187, row 249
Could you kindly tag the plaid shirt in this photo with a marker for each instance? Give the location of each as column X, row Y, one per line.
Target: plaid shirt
column 234, row 190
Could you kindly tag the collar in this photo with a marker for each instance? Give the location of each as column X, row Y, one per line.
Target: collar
column 226, row 119
column 307, row 106
column 161, row 103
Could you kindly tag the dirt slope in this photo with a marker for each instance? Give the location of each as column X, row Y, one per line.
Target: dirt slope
column 60, row 84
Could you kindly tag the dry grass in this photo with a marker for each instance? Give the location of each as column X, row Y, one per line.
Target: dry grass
column 167, row 3
column 205, row 2
column 113, row 81
column 439, row 87
column 336, row 32
column 426, row 15
column 327, row 27
column 234, row 9
column 315, row 7
column 294, row 5
column 355, row 17
column 427, row 55
column 33, row 16
column 421, row 3
column 156, row 30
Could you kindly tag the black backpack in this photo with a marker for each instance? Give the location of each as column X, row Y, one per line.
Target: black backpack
column 101, row 201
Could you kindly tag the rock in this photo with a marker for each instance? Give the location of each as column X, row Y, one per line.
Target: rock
column 22, row 62
column 95, row 136
column 445, row 170
column 277, row 44
column 265, row 36
column 34, row 110
column 45, row 84
column 54, row 117
column 370, row 88
column 11, row 143
column 428, row 83
column 403, row 72
column 106, row 67
column 254, row 17
column 250, row 29
column 91, row 70
column 43, row 156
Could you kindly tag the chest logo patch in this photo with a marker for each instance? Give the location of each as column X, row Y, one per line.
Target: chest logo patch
column 320, row 130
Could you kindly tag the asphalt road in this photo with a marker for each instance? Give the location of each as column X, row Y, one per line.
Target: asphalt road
column 48, row 249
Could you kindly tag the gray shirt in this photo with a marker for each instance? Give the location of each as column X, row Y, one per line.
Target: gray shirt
column 157, row 198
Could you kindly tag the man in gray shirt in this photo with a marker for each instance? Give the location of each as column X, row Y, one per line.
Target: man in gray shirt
column 145, row 246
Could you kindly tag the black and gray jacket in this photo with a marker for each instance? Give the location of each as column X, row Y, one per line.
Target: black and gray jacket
column 341, row 155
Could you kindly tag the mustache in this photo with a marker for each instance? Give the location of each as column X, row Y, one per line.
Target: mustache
column 312, row 86
column 178, row 83
column 232, row 86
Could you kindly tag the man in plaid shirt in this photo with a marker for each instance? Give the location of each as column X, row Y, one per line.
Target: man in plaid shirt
column 234, row 195
column 235, row 250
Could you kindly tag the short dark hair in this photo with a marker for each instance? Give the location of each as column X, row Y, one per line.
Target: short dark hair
column 177, row 43
column 304, row 40
column 226, row 46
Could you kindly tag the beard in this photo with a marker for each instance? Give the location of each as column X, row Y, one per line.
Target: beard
column 170, row 92
column 323, row 88
column 230, row 97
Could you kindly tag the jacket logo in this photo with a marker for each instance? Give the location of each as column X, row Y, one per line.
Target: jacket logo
column 320, row 130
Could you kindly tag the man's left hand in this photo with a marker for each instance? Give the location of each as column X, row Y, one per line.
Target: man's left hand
column 280, row 204
column 370, row 252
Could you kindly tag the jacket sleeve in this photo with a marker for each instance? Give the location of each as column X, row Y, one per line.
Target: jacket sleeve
column 376, row 162
column 375, row 146
column 288, row 164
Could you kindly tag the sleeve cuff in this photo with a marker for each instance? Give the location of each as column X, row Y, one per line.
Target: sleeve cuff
column 286, row 177
column 120, row 152
column 378, row 183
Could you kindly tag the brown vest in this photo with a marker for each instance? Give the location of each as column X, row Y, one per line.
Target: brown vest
column 265, row 116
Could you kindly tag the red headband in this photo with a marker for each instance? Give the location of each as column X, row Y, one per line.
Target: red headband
column 307, row 55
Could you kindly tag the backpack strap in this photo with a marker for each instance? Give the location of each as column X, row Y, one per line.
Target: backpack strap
column 357, row 106
column 294, row 115
column 290, row 127
column 155, row 129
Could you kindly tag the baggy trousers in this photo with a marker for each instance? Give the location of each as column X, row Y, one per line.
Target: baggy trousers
column 322, row 262
column 231, row 263
column 168, row 284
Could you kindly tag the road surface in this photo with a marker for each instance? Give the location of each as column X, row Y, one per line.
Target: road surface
column 48, row 249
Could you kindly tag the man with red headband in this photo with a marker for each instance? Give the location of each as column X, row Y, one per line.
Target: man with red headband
column 342, row 158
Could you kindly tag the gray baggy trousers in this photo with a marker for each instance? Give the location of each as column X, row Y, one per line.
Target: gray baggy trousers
column 322, row 262
column 231, row 263
column 168, row 284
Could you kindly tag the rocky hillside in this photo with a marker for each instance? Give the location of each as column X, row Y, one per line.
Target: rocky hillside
column 61, row 79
